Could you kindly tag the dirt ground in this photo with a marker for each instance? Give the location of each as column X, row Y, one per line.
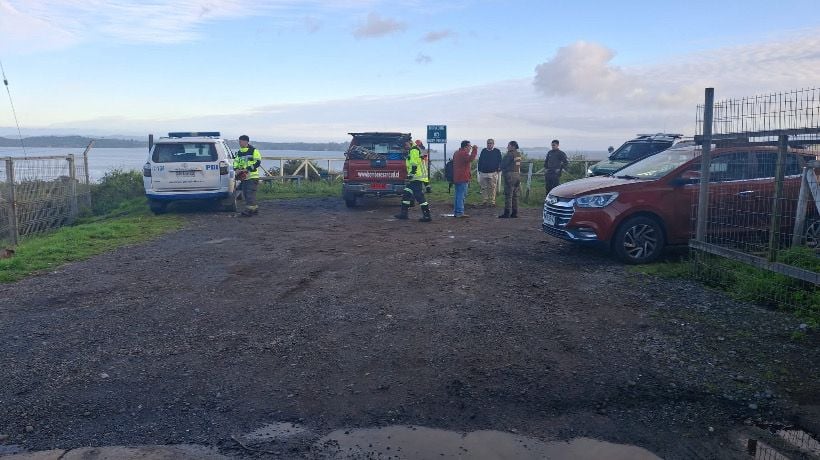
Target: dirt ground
column 335, row 318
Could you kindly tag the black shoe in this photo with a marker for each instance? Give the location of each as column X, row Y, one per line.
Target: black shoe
column 505, row 215
column 514, row 214
column 246, row 213
column 401, row 216
column 426, row 219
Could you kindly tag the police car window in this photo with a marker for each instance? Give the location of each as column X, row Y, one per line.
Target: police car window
column 184, row 153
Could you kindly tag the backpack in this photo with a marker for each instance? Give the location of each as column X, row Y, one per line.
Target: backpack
column 448, row 170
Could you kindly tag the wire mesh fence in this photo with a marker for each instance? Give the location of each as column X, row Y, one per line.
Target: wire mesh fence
column 758, row 202
column 41, row 193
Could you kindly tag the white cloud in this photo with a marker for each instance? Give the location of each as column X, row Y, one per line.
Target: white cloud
column 23, row 31
column 377, row 26
column 36, row 25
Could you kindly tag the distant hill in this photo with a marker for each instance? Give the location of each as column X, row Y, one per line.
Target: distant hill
column 71, row 142
column 112, row 143
column 315, row 146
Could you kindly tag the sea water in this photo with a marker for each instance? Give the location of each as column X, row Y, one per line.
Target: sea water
column 104, row 160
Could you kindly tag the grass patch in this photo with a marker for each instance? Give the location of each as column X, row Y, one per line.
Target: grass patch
column 79, row 242
column 751, row 284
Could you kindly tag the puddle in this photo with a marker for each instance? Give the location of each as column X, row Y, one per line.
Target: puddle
column 219, row 240
column 428, row 443
column 10, row 449
column 275, row 432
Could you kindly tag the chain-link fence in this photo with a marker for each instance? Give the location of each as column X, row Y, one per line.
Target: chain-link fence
column 758, row 201
column 41, row 193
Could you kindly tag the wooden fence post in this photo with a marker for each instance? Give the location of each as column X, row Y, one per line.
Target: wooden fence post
column 11, row 205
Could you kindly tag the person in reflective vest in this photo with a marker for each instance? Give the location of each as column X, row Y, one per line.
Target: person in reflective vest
column 246, row 164
column 417, row 182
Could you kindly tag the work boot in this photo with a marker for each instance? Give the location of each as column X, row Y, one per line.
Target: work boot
column 403, row 213
column 506, row 214
column 425, row 214
column 514, row 213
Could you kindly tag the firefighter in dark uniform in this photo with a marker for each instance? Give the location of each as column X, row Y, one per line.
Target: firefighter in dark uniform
column 511, row 171
column 417, row 182
column 247, row 163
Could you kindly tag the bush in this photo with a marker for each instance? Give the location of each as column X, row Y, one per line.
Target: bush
column 115, row 188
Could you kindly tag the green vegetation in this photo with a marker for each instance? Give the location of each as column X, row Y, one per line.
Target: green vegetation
column 118, row 217
column 82, row 241
column 751, row 284
column 116, row 188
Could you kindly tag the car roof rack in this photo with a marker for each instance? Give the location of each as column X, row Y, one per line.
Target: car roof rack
column 658, row 135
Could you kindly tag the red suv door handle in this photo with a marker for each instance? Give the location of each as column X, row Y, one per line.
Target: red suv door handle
column 746, row 193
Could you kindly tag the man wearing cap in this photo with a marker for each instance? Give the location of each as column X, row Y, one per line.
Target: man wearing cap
column 247, row 164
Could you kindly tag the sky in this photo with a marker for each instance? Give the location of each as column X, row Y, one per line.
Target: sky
column 589, row 73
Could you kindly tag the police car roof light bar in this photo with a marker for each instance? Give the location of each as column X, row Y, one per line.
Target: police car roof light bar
column 195, row 134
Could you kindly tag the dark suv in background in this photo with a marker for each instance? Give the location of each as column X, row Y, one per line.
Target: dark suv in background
column 641, row 147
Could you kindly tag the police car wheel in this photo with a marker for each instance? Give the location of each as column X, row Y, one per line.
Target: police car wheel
column 229, row 204
column 157, row 207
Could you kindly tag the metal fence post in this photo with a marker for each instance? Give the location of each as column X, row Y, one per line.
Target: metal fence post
column 88, row 174
column 11, row 205
column 774, row 230
column 705, row 164
column 72, row 188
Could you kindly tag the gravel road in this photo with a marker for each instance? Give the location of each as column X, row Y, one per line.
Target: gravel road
column 333, row 318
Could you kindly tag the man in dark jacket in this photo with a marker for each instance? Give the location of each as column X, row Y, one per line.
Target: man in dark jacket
column 489, row 164
column 554, row 165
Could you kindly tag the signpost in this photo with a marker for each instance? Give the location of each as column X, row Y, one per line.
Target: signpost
column 437, row 134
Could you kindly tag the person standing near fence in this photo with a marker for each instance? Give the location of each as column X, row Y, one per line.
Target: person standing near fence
column 554, row 165
column 462, row 175
column 511, row 169
column 246, row 164
column 489, row 164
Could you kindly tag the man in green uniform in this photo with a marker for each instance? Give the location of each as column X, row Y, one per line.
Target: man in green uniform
column 417, row 182
column 246, row 164
column 511, row 169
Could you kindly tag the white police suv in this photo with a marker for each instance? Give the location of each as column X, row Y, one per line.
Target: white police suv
column 189, row 166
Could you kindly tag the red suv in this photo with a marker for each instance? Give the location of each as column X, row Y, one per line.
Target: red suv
column 650, row 204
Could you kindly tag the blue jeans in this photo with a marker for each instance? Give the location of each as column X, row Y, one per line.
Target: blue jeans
column 461, row 197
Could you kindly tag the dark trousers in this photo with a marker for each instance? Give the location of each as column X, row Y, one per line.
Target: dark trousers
column 413, row 190
column 512, row 190
column 249, row 187
column 551, row 179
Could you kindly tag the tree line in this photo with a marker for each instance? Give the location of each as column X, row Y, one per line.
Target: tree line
column 83, row 141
